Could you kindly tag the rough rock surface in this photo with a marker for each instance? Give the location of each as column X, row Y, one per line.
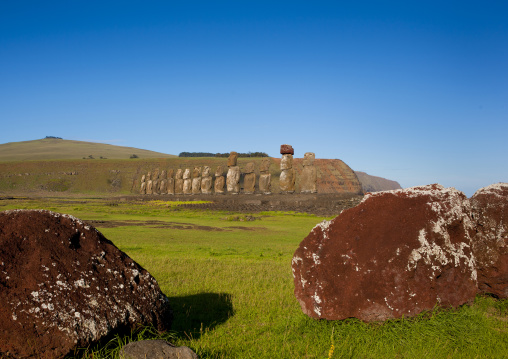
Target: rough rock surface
column 287, row 150
column 63, row 285
column 396, row 254
column 155, row 349
column 490, row 246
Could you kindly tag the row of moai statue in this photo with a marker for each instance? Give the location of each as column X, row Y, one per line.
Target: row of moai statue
column 200, row 181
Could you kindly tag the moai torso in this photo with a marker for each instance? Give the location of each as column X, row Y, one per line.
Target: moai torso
column 196, row 180
column 264, row 176
column 206, row 181
column 308, row 180
column 187, row 182
column 179, row 181
column 219, row 180
column 233, row 176
column 249, row 180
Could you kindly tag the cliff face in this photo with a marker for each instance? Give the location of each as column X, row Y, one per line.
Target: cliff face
column 376, row 184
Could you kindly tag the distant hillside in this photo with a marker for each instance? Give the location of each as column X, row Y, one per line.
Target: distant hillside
column 96, row 177
column 376, row 184
column 59, row 149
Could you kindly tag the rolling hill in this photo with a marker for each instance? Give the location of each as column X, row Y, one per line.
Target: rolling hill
column 59, row 149
column 65, row 166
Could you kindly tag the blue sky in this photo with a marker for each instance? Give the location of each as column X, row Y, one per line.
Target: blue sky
column 414, row 91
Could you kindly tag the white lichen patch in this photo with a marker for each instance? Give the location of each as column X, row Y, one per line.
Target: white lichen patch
column 324, row 225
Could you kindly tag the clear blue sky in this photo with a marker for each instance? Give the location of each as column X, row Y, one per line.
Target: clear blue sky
column 414, row 91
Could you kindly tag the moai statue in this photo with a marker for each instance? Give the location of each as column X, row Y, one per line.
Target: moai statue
column 171, row 182
column 179, row 181
column 287, row 175
column 155, row 181
column 142, row 189
column 233, row 176
column 196, row 180
column 206, row 181
column 149, row 183
column 308, row 181
column 249, row 181
column 265, row 176
column 187, row 182
column 163, row 183
column 218, row 186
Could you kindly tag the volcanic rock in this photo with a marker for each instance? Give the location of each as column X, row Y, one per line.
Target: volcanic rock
column 396, row 254
column 287, row 150
column 156, row 349
column 490, row 245
column 63, row 285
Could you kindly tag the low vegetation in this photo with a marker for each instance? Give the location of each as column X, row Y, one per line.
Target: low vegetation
column 230, row 284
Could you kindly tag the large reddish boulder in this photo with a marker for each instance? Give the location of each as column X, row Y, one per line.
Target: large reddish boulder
column 63, row 285
column 396, row 254
column 490, row 212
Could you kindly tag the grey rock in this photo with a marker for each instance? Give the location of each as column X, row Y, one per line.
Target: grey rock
column 155, row 349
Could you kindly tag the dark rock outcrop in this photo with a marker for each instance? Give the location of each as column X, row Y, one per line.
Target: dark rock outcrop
column 490, row 246
column 63, row 285
column 396, row 254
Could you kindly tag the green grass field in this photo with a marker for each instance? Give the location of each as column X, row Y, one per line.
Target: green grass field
column 231, row 288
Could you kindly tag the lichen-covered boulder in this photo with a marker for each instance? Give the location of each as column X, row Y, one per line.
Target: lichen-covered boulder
column 490, row 245
column 63, row 285
column 396, row 254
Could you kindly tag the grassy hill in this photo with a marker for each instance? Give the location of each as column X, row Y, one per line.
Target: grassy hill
column 59, row 149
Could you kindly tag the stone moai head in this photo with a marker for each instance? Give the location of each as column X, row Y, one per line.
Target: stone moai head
column 164, row 174
column 156, row 174
column 196, row 172
column 149, row 176
column 250, row 167
column 286, row 162
column 308, row 158
column 219, row 171
column 232, row 159
column 265, row 165
column 143, row 178
column 206, row 171
column 187, row 174
column 171, row 173
column 179, row 174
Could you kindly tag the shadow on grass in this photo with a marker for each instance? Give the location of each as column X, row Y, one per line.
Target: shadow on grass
column 196, row 314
